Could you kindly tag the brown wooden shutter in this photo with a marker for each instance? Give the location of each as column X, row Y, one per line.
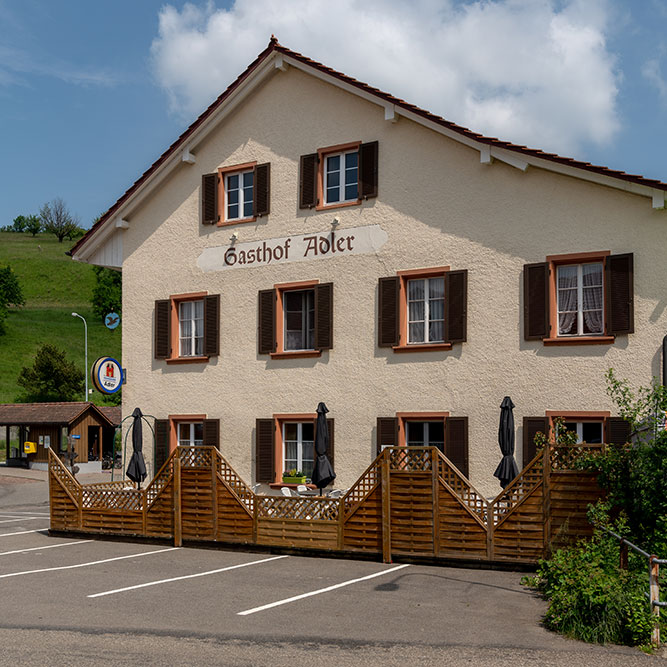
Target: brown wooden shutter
column 308, row 181
column 209, row 199
column 388, row 296
column 531, row 426
column 330, row 451
column 617, row 431
column 619, row 294
column 456, row 442
column 162, row 329
column 368, row 170
column 212, row 433
column 262, row 182
column 387, row 433
column 324, row 316
column 267, row 321
column 212, row 325
column 456, row 306
column 264, row 451
column 536, row 301
column 161, row 443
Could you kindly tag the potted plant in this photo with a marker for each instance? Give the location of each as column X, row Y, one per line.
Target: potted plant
column 294, row 476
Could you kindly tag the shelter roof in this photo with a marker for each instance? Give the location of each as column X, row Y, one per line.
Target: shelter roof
column 63, row 413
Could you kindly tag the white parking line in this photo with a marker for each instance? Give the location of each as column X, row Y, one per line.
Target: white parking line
column 24, row 518
column 94, row 562
column 321, row 590
column 24, row 532
column 187, row 576
column 48, row 546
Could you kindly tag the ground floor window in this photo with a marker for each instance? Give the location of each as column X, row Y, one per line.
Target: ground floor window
column 298, row 441
column 425, row 434
column 588, row 431
column 190, row 434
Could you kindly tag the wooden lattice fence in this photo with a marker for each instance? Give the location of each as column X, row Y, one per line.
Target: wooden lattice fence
column 410, row 502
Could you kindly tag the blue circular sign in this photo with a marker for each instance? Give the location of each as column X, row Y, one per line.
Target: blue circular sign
column 112, row 320
column 107, row 375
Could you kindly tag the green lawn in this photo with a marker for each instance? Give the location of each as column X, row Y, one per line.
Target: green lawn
column 54, row 286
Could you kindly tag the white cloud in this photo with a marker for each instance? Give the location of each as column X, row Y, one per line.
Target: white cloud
column 536, row 72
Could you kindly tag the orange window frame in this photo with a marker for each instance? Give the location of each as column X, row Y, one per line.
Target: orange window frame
column 222, row 191
column 322, row 154
column 577, row 416
column 174, row 327
column 405, row 417
column 174, row 421
column 554, row 262
column 405, row 276
column 281, row 352
column 278, row 444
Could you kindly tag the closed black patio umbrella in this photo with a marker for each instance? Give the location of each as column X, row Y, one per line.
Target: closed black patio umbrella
column 136, row 469
column 507, row 469
column 323, row 473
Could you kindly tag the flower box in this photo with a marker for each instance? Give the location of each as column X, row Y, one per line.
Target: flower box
column 294, row 480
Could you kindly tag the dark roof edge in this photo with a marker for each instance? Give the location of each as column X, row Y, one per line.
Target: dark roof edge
column 275, row 46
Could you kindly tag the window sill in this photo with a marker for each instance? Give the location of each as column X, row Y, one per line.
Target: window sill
column 240, row 221
column 296, row 354
column 187, row 360
column 328, row 207
column 429, row 347
column 580, row 340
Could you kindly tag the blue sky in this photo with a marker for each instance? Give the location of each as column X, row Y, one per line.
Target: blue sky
column 91, row 93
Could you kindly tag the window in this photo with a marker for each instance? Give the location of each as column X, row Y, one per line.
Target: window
column 296, row 319
column 236, row 194
column 239, row 195
column 425, row 434
column 342, row 175
column 190, row 434
column 298, row 441
column 285, row 442
column 423, row 309
column 579, row 298
column 588, row 431
column 299, row 319
column 426, row 310
column 187, row 327
column 426, row 429
column 191, row 328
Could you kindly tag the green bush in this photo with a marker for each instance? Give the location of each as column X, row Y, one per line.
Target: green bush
column 590, row 598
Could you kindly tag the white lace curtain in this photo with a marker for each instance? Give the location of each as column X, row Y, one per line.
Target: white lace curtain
column 580, row 282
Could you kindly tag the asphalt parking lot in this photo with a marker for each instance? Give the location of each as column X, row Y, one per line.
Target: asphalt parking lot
column 73, row 600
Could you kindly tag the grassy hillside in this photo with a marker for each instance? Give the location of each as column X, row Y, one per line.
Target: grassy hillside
column 54, row 286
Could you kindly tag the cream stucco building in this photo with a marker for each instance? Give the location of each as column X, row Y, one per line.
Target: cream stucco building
column 311, row 239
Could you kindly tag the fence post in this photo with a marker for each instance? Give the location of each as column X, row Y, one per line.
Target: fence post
column 386, row 518
column 654, row 596
column 623, row 555
column 546, row 498
column 178, row 539
column 214, row 491
column 436, row 500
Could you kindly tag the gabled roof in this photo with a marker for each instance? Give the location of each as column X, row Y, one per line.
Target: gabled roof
column 18, row 414
column 489, row 147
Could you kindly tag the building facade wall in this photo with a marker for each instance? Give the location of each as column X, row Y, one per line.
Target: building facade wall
column 439, row 206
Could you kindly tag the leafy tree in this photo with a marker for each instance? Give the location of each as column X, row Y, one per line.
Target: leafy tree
column 19, row 224
column 51, row 378
column 107, row 293
column 10, row 294
column 57, row 220
column 33, row 225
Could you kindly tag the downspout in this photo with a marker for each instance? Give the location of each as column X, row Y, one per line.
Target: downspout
column 664, row 361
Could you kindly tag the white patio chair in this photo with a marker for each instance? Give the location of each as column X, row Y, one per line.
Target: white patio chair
column 286, row 492
column 301, row 488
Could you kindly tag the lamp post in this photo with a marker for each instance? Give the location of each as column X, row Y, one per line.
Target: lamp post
column 85, row 325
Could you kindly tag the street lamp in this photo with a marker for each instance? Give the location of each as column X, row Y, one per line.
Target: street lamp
column 85, row 324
